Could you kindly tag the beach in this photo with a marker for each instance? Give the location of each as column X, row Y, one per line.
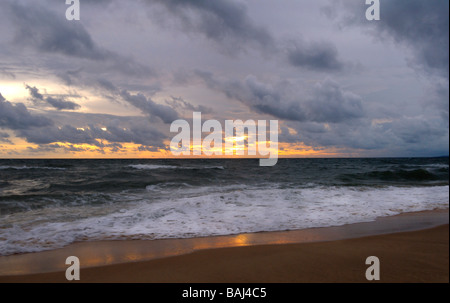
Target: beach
column 175, row 142
column 419, row 253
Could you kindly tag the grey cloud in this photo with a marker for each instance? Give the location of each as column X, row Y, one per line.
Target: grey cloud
column 149, row 107
column 68, row 148
column 137, row 132
column 421, row 25
column 219, row 20
column 228, row 24
column 148, row 148
column 69, row 76
column 265, row 99
column 438, row 97
column 4, row 138
column 319, row 56
column 43, row 148
column 66, row 133
column 180, row 104
column 105, row 84
column 62, row 104
column 328, row 102
column 399, row 137
column 417, row 131
column 57, row 103
column 7, row 74
column 34, row 92
column 17, row 117
column 47, row 32
column 101, row 3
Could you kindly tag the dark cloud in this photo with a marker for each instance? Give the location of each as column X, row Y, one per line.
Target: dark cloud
column 149, row 107
column 105, row 84
column 328, row 102
column 110, row 136
column 34, row 92
column 180, row 104
column 391, row 116
column 17, row 117
column 228, row 24
column 60, row 104
column 438, row 96
column 223, row 21
column 421, row 25
column 148, row 148
column 401, row 136
column 47, row 32
column 4, row 138
column 42, row 131
column 319, row 56
column 71, row 148
column 417, row 131
column 57, row 103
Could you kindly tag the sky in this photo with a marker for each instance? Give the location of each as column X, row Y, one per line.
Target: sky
column 111, row 84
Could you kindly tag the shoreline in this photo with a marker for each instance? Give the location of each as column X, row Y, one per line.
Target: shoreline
column 406, row 257
column 100, row 255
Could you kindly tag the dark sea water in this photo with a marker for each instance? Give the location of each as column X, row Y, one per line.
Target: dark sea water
column 45, row 204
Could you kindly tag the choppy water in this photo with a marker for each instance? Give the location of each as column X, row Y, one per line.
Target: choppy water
column 45, row 204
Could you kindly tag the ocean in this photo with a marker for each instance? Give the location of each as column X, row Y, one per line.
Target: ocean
column 48, row 204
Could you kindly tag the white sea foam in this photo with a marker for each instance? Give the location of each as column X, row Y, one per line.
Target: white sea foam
column 206, row 211
column 431, row 165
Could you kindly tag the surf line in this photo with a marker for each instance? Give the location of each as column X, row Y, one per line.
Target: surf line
column 239, row 138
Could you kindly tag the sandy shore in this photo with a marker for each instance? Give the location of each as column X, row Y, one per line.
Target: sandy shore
column 412, row 256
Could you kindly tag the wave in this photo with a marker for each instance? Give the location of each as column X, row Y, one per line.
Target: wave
column 214, row 211
column 155, row 166
column 416, row 174
column 397, row 175
column 5, row 167
column 431, row 165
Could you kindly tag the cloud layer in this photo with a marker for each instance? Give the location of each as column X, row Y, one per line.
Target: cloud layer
column 124, row 72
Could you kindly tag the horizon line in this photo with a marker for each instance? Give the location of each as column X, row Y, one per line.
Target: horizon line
column 227, row 158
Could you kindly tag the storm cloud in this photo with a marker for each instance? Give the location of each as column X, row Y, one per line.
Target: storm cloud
column 135, row 67
column 149, row 107
column 57, row 103
column 136, row 131
column 327, row 102
column 4, row 138
column 320, row 56
column 40, row 29
column 223, row 21
column 423, row 26
column 17, row 117
column 227, row 23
